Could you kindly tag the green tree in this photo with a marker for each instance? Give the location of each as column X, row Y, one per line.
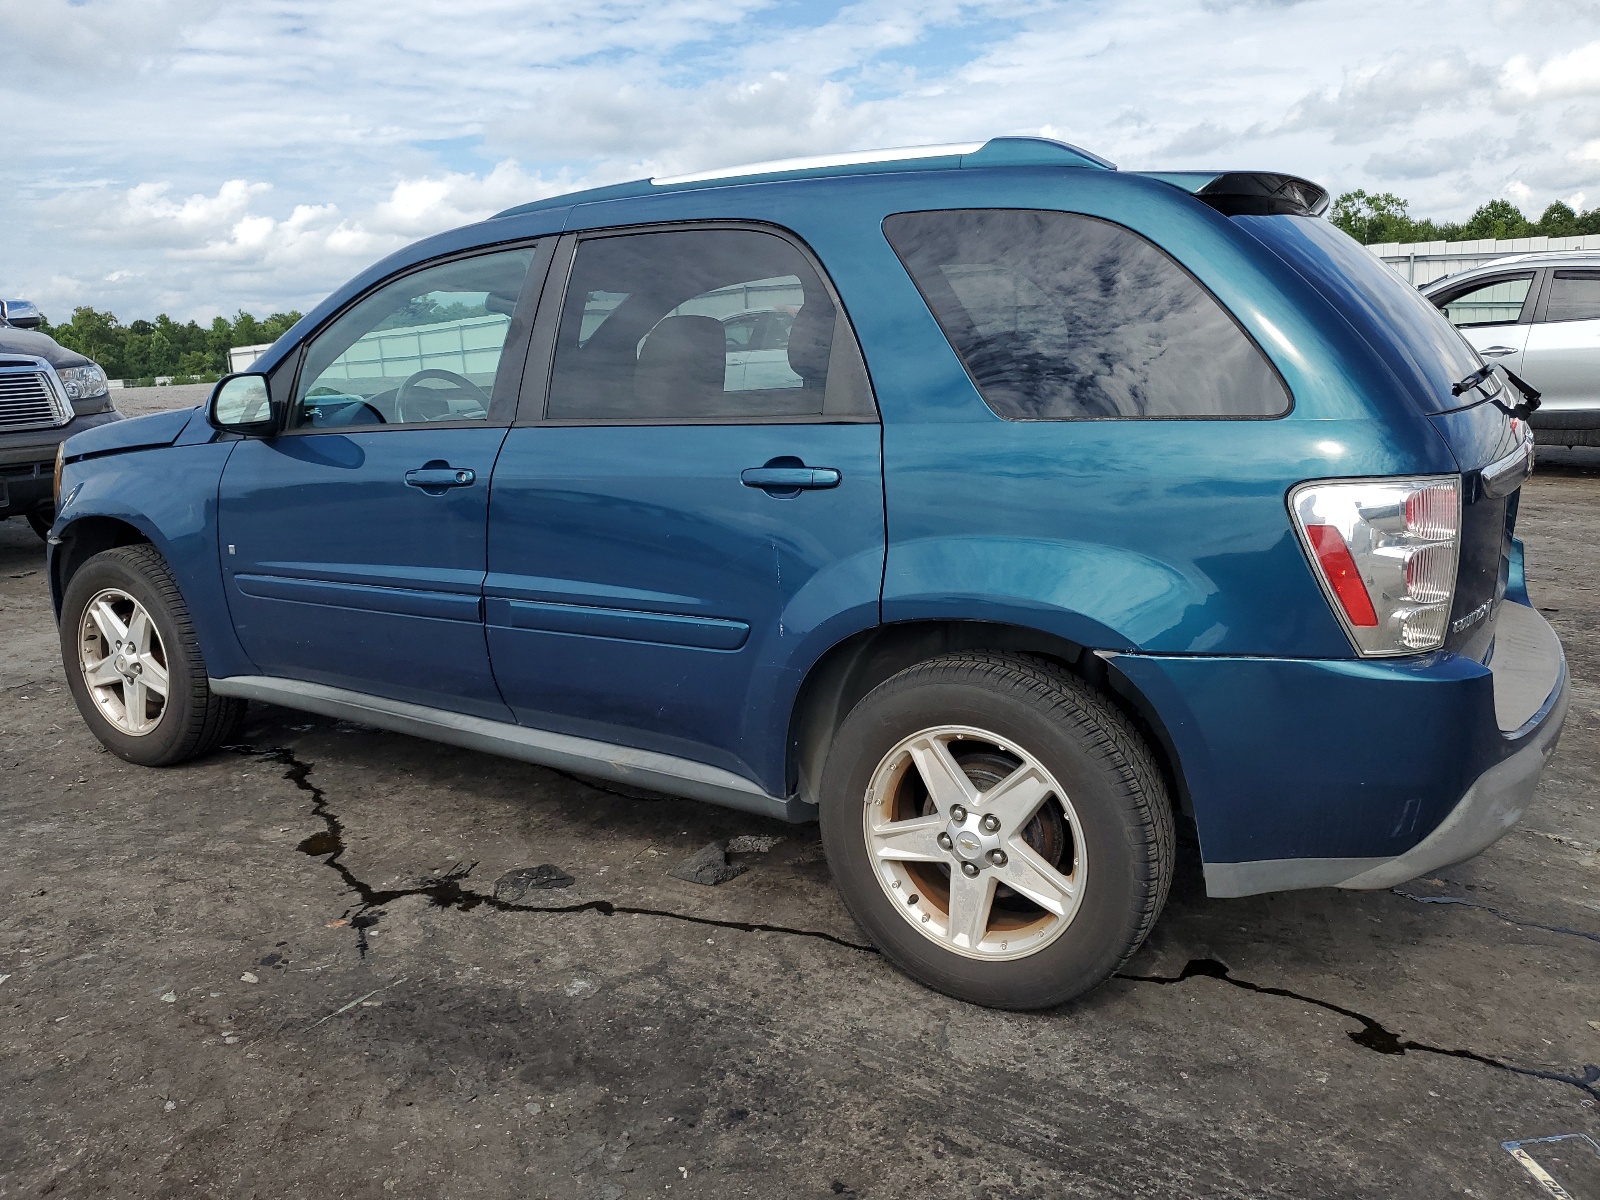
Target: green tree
column 95, row 334
column 1559, row 220
column 1498, row 219
column 246, row 330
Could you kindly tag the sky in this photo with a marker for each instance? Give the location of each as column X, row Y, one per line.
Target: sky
column 198, row 157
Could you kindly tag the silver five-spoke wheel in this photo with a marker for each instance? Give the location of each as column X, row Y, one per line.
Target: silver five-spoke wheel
column 975, row 843
column 123, row 661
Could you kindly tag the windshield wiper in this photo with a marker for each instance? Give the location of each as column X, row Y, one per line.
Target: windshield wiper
column 1473, row 380
column 1530, row 395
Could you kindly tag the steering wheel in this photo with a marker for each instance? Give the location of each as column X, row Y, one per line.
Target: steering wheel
column 407, row 400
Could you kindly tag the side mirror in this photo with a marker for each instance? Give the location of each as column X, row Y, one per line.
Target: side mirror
column 242, row 404
column 21, row 314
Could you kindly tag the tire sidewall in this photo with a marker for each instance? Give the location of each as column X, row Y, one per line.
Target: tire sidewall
column 112, row 569
column 1106, row 925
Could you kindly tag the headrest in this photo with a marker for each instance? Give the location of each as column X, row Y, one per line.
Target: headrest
column 811, row 339
column 682, row 360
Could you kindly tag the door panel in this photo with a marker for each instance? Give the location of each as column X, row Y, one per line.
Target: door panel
column 355, row 545
column 339, row 571
column 640, row 592
column 1503, row 344
column 1491, row 313
column 1563, row 353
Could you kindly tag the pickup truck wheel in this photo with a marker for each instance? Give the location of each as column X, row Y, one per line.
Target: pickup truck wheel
column 998, row 828
column 133, row 663
column 41, row 517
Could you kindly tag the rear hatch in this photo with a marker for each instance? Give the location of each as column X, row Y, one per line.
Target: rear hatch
column 1428, row 357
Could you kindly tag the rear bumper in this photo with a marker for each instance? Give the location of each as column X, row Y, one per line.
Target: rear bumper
column 1358, row 775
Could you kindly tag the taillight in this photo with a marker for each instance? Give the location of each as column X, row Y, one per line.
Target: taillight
column 1385, row 553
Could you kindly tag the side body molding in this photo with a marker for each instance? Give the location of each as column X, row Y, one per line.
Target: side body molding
column 618, row 764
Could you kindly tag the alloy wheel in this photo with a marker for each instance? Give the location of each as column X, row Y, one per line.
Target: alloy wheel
column 975, row 842
column 123, row 661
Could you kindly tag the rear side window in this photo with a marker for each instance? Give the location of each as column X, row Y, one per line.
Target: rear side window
column 702, row 324
column 1058, row 316
column 1574, row 296
column 1496, row 302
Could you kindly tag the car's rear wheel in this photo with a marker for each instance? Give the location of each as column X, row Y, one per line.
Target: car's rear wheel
column 133, row 663
column 998, row 827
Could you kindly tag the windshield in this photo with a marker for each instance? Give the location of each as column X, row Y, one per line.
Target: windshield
column 1416, row 340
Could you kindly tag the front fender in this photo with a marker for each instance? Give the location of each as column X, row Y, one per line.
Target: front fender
column 170, row 496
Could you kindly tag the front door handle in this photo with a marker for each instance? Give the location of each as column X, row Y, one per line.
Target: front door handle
column 790, row 479
column 436, row 479
column 1498, row 351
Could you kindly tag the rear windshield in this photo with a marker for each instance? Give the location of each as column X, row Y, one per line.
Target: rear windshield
column 1421, row 346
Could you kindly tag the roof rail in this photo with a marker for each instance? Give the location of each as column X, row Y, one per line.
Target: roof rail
column 1250, row 193
column 996, row 152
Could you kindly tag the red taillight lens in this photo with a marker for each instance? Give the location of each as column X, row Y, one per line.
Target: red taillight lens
column 1385, row 551
column 1339, row 567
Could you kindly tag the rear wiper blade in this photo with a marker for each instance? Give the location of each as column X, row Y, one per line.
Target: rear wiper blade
column 1530, row 395
column 1473, row 380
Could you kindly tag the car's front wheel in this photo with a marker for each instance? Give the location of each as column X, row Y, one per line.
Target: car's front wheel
column 133, row 662
column 998, row 827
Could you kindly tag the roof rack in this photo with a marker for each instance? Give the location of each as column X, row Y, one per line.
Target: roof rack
column 996, row 152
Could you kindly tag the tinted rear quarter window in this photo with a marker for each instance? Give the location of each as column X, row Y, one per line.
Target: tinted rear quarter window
column 1058, row 316
column 1574, row 296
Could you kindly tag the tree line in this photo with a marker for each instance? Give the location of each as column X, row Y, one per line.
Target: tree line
column 1384, row 218
column 141, row 350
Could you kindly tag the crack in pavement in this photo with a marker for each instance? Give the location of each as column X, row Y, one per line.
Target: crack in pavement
column 1506, row 917
column 449, row 890
column 1371, row 1035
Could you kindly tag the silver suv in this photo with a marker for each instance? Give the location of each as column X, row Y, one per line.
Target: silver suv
column 1539, row 315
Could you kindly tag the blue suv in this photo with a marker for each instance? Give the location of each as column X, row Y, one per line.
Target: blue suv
column 1058, row 508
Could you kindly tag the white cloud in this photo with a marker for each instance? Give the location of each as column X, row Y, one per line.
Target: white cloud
column 200, row 157
column 1575, row 73
column 1378, row 97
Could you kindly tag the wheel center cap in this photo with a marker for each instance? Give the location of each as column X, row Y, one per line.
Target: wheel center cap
column 967, row 841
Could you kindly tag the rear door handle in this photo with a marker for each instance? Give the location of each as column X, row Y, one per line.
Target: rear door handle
column 788, row 479
column 1498, row 351
column 437, row 479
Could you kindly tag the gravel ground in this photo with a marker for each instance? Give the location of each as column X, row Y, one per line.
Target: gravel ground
column 317, row 963
column 136, row 402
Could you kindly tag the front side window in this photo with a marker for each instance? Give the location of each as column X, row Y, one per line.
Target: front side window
column 1574, row 296
column 1497, row 302
column 1059, row 316
column 702, row 324
column 425, row 348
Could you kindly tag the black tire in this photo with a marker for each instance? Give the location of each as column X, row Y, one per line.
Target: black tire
column 1116, row 791
column 195, row 720
column 41, row 517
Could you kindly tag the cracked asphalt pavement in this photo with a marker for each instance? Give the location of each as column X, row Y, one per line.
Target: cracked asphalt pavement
column 331, row 961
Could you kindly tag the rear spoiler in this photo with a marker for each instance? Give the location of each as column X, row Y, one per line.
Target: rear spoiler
column 1249, row 193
